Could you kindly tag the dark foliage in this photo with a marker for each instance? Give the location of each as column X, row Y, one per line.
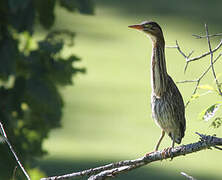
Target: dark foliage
column 30, row 103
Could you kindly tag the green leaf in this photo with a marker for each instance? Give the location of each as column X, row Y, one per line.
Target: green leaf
column 45, row 9
column 209, row 112
column 194, row 96
column 70, row 5
column 15, row 5
column 206, row 87
column 44, row 101
column 62, row 70
column 84, row 6
column 50, row 48
column 22, row 15
column 9, row 52
column 217, row 122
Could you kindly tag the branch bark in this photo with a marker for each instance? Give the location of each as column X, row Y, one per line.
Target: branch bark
column 113, row 169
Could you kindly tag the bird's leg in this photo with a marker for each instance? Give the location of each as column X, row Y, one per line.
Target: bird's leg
column 173, row 143
column 168, row 151
column 158, row 144
column 161, row 138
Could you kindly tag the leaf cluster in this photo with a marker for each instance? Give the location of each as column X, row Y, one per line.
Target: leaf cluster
column 31, row 73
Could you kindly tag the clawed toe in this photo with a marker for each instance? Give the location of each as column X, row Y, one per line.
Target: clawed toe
column 167, row 152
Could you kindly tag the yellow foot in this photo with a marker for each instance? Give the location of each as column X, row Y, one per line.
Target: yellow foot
column 167, row 152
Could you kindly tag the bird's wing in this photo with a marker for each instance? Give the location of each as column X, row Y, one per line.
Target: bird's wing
column 178, row 105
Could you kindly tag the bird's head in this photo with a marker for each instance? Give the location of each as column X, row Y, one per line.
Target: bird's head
column 151, row 28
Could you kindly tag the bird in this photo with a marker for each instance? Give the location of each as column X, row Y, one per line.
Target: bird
column 168, row 110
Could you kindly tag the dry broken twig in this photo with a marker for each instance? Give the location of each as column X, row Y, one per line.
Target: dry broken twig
column 113, row 169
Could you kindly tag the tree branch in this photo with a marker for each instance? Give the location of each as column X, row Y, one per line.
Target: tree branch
column 211, row 60
column 187, row 57
column 113, row 169
column 197, row 81
column 210, row 35
column 2, row 132
column 187, row 176
column 211, row 52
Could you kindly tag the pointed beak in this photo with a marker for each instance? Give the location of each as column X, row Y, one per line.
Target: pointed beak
column 137, row 26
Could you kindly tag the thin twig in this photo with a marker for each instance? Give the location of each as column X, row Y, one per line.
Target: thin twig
column 188, row 59
column 113, row 169
column 187, row 176
column 14, row 172
column 210, row 35
column 197, row 81
column 203, row 74
column 211, row 60
column 206, row 53
column 186, row 81
column 2, row 131
column 183, row 54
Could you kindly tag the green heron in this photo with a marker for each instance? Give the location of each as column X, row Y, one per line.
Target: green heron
column 167, row 104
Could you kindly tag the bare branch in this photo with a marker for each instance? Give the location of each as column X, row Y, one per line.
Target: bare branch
column 211, row 60
column 183, row 54
column 197, row 81
column 113, row 169
column 187, row 81
column 211, row 35
column 206, row 71
column 2, row 131
column 114, row 172
column 188, row 59
column 206, row 54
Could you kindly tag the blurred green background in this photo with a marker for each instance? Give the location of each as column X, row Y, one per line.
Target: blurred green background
column 107, row 115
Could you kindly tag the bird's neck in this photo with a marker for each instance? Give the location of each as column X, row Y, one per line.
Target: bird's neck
column 158, row 73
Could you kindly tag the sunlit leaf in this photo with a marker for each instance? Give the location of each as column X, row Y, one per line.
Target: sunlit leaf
column 206, row 87
column 209, row 112
column 194, row 96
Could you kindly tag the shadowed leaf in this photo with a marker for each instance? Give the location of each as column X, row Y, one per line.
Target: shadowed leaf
column 217, row 122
